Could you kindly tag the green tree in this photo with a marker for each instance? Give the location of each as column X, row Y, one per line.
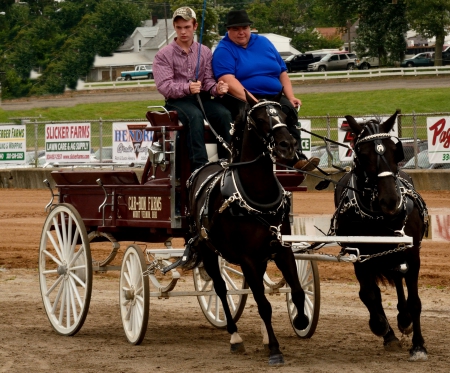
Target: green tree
column 382, row 30
column 431, row 18
column 99, row 32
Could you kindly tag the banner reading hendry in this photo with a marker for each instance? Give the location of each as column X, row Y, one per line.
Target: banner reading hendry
column 68, row 143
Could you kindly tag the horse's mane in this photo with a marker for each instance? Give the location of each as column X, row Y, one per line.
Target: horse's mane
column 238, row 134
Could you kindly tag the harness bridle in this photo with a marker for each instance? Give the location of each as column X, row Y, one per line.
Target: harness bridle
column 267, row 139
column 380, row 149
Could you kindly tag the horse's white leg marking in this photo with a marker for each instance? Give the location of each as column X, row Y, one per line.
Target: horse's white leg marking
column 419, row 356
column 235, row 338
column 264, row 333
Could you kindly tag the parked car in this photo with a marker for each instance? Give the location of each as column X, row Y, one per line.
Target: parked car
column 421, row 59
column 325, row 162
column 424, row 163
column 334, row 61
column 365, row 63
column 300, row 62
column 139, row 72
column 106, row 155
column 408, row 149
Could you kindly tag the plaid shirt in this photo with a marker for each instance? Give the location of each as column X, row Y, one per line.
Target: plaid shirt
column 173, row 69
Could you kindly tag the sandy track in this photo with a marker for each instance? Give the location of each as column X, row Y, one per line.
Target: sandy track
column 180, row 339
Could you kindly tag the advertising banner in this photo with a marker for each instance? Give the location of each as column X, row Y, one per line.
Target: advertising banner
column 306, row 137
column 68, row 143
column 131, row 142
column 12, row 144
column 346, row 136
column 438, row 132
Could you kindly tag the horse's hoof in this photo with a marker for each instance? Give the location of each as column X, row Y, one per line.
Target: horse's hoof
column 237, row 348
column 406, row 331
column 301, row 322
column 276, row 359
column 379, row 326
column 404, row 324
column 418, row 354
column 392, row 345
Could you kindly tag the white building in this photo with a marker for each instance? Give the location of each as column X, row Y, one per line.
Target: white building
column 143, row 44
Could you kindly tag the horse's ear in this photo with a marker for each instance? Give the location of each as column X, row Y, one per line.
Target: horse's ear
column 277, row 98
column 249, row 99
column 389, row 124
column 355, row 126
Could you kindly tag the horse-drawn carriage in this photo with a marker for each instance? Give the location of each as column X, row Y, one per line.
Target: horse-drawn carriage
column 114, row 206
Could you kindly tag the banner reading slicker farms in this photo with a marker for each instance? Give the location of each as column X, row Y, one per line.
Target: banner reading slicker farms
column 68, row 143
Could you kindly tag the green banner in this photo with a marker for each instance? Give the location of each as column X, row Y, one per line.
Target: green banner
column 12, row 156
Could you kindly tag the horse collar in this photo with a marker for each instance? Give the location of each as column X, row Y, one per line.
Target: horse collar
column 236, row 197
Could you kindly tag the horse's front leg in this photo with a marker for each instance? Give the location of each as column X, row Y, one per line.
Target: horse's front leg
column 211, row 264
column 418, row 351
column 285, row 261
column 254, row 273
column 370, row 295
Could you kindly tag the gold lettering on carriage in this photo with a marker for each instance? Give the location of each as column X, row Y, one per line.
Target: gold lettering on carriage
column 144, row 207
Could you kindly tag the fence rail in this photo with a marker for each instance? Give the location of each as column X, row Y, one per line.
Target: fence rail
column 412, row 126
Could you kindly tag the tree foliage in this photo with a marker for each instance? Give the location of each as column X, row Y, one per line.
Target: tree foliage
column 382, row 30
column 431, row 18
column 61, row 40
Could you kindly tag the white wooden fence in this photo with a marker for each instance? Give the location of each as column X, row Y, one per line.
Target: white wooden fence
column 304, row 76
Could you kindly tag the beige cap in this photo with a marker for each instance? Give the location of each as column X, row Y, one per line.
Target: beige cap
column 185, row 12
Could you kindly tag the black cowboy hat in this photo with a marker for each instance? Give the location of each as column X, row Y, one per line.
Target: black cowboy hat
column 237, row 18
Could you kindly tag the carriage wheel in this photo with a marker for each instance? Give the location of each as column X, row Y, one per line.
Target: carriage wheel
column 210, row 304
column 134, row 295
column 308, row 274
column 65, row 269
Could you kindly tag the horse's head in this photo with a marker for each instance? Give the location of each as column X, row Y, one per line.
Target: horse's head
column 268, row 120
column 377, row 154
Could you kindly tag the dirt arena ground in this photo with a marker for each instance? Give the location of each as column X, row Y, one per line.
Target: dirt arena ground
column 180, row 339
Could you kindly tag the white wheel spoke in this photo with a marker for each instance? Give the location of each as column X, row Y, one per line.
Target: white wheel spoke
column 73, row 245
column 64, row 235
column 76, row 256
column 77, row 279
column 73, row 303
column 75, row 291
column 55, row 246
column 58, row 295
column 58, row 280
column 62, row 305
column 233, row 270
column 58, row 234
column 229, row 280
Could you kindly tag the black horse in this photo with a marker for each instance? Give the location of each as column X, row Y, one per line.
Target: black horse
column 380, row 200
column 239, row 210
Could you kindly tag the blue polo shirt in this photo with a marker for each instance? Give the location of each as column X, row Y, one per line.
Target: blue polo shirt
column 257, row 67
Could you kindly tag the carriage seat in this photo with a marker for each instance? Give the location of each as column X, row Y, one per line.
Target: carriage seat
column 170, row 118
column 64, row 177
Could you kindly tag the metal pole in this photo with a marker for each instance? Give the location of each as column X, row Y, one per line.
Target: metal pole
column 165, row 20
column 36, row 132
column 100, row 135
column 415, row 139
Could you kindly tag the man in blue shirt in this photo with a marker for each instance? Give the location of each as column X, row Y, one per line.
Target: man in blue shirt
column 248, row 61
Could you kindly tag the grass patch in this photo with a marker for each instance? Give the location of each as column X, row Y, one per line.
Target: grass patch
column 427, row 100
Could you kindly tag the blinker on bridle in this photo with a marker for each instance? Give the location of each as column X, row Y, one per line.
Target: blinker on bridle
column 272, row 113
column 380, row 149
